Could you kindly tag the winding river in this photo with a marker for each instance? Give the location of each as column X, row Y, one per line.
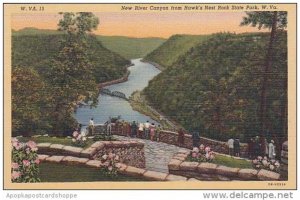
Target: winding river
column 108, row 106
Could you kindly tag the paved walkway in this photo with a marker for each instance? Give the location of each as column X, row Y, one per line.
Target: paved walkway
column 157, row 154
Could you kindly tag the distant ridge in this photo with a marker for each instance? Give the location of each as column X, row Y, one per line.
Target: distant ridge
column 127, row 47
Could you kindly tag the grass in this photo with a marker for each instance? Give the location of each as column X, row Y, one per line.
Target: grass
column 54, row 140
column 232, row 162
column 229, row 162
column 53, row 172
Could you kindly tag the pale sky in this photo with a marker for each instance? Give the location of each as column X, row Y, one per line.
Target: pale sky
column 135, row 24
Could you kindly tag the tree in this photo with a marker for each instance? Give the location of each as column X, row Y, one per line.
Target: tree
column 272, row 20
column 27, row 101
column 71, row 72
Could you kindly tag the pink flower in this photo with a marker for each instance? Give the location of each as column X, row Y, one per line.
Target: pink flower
column 26, row 163
column 17, row 145
column 37, row 161
column 110, row 168
column 79, row 137
column 75, row 134
column 255, row 162
column 117, row 158
column 194, row 154
column 15, row 175
column 31, row 144
column 15, row 165
column 207, row 149
column 14, row 140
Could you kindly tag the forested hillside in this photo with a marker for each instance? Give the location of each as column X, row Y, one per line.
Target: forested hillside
column 127, row 47
column 215, row 87
column 130, row 47
column 176, row 46
column 37, row 50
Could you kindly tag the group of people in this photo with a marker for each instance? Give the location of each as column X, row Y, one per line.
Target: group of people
column 234, row 147
column 145, row 130
column 256, row 147
column 260, row 146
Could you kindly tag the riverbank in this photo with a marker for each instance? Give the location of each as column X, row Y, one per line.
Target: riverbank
column 139, row 103
column 116, row 81
column 158, row 66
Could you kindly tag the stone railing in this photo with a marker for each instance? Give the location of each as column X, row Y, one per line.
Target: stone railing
column 171, row 137
column 131, row 153
column 210, row 171
column 217, row 146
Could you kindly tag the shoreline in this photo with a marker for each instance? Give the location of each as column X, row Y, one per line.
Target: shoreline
column 116, row 81
column 158, row 66
column 138, row 103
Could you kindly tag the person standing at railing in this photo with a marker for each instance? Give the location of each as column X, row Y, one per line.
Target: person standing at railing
column 152, row 131
column 180, row 139
column 157, row 132
column 147, row 129
column 108, row 127
column 141, row 130
column 91, row 126
column 196, row 139
column 230, row 143
column 133, row 129
column 128, row 129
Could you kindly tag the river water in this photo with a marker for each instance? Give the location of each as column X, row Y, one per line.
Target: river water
column 140, row 74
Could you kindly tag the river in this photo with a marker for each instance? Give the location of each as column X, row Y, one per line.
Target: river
column 108, row 106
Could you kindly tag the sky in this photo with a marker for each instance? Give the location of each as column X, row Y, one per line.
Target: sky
column 137, row 24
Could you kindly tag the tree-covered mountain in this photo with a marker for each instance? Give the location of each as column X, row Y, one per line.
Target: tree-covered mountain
column 177, row 45
column 37, row 50
column 127, row 47
column 215, row 87
column 130, row 47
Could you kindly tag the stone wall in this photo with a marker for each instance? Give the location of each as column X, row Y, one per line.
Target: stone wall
column 130, row 153
column 213, row 172
column 217, row 146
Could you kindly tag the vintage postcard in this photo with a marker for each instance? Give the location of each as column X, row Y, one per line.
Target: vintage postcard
column 149, row 96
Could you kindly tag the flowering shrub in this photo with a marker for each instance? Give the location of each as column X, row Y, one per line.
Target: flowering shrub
column 79, row 139
column 109, row 164
column 25, row 162
column 265, row 163
column 201, row 154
